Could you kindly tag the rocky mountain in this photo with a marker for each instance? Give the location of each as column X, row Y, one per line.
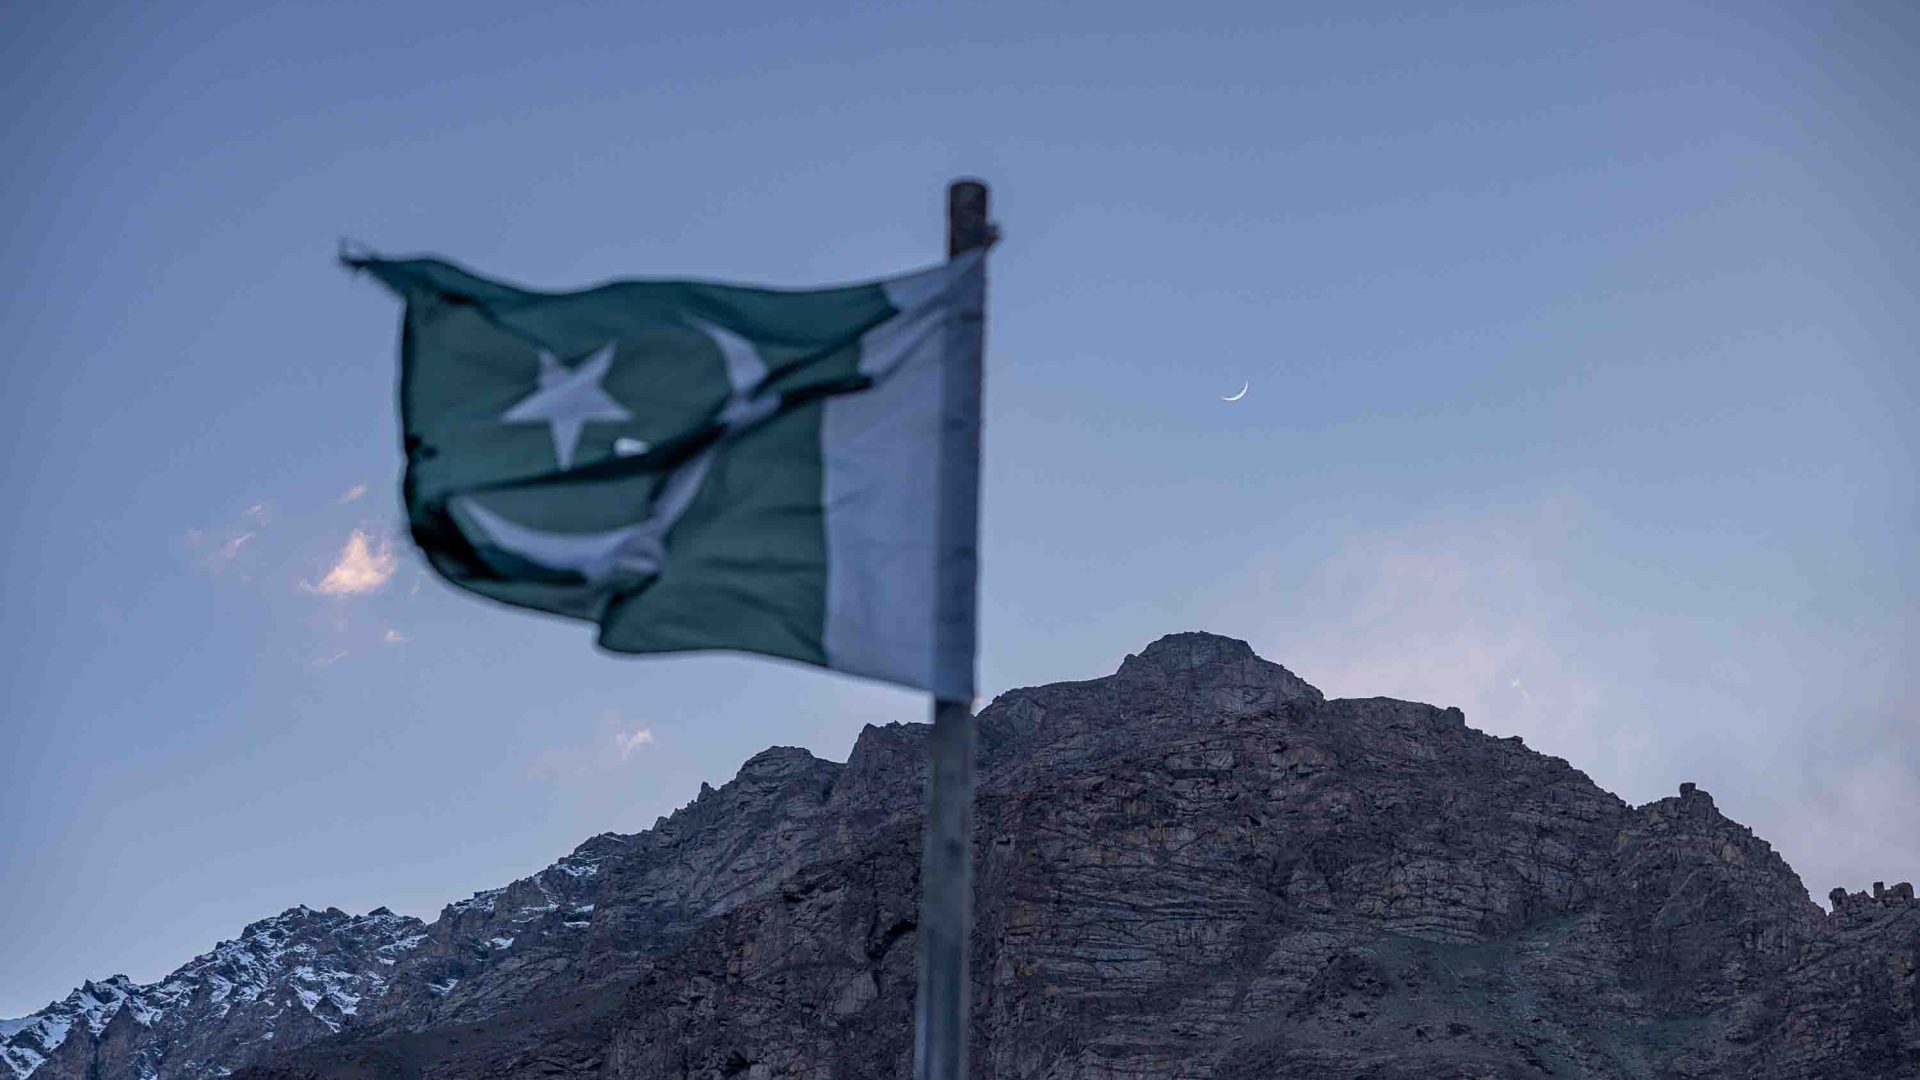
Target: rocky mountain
column 1197, row 867
column 304, row 974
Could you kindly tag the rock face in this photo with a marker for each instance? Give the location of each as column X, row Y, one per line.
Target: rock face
column 1194, row 868
column 304, row 975
column 298, row 976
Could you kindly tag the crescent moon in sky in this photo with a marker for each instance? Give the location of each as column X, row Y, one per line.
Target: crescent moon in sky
column 1243, row 392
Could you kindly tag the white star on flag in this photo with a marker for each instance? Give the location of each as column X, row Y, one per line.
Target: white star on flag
column 567, row 399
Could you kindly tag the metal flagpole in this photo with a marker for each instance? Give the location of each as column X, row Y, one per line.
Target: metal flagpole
column 946, row 868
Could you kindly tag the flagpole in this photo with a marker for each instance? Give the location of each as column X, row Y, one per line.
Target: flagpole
column 946, row 869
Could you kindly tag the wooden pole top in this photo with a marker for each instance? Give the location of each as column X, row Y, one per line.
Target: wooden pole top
column 967, row 224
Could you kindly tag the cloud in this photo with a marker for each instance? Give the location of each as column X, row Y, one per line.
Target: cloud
column 578, row 756
column 329, row 659
column 1796, row 730
column 395, row 637
column 629, row 741
column 351, row 494
column 1474, row 612
column 363, row 567
column 217, row 557
column 215, row 549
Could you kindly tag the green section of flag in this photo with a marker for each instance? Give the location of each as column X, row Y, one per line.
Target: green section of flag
column 651, row 456
column 470, row 346
column 743, row 568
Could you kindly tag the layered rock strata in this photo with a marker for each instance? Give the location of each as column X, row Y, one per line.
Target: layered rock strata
column 1194, row 868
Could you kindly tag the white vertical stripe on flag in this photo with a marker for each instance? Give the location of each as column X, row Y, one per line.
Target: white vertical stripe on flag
column 881, row 452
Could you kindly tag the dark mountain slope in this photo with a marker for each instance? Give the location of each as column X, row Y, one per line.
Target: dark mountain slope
column 1195, row 867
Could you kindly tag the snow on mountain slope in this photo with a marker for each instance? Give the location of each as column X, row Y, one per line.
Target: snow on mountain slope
column 321, row 963
column 600, row 913
column 300, row 975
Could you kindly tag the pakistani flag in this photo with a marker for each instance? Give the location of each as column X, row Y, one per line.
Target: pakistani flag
column 701, row 466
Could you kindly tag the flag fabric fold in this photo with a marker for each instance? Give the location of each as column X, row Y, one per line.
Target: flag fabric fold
column 698, row 466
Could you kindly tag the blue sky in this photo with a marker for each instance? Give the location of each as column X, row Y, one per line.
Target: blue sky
column 1580, row 338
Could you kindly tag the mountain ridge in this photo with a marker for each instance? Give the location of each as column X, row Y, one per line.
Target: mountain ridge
column 1183, row 720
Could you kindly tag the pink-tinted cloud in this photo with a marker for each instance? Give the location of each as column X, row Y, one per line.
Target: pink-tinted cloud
column 1796, row 731
column 364, row 566
column 216, row 549
column 630, row 741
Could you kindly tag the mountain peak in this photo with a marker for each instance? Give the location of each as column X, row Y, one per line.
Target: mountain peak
column 1220, row 661
column 778, row 763
column 1192, row 648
